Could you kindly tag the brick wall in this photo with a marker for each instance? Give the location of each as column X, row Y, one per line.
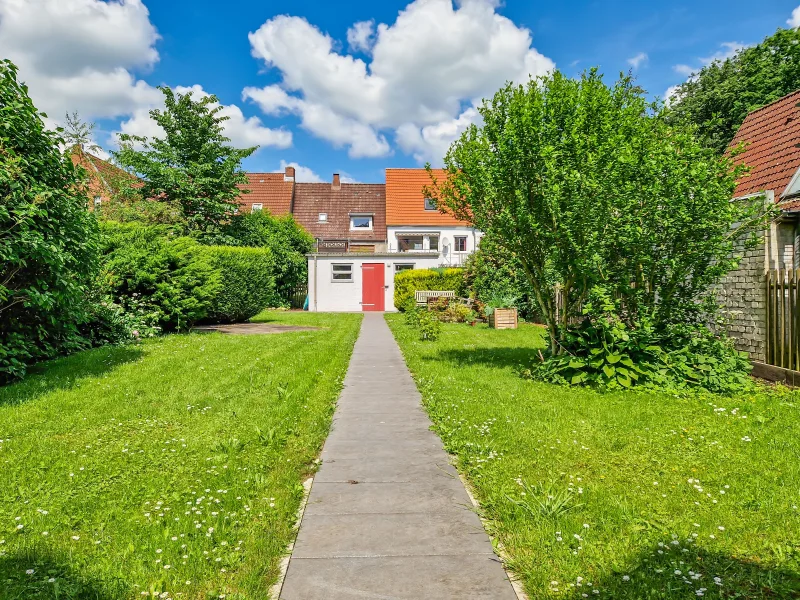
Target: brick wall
column 742, row 296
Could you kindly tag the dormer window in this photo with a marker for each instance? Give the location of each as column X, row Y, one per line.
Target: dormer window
column 360, row 222
column 430, row 204
column 323, row 217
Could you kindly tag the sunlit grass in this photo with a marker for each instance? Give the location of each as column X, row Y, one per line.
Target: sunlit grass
column 172, row 467
column 623, row 495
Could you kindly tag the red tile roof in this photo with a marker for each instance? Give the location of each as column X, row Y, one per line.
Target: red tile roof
column 272, row 190
column 772, row 135
column 104, row 178
column 311, row 199
column 405, row 202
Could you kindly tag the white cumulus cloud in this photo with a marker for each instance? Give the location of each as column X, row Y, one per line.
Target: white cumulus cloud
column 794, row 20
column 424, row 67
column 638, row 60
column 302, row 174
column 243, row 131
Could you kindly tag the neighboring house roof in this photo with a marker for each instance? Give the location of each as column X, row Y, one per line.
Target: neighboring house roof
column 772, row 135
column 339, row 202
column 405, row 202
column 272, row 190
column 104, row 177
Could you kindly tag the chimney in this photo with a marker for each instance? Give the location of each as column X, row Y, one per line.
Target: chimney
column 336, row 184
column 289, row 173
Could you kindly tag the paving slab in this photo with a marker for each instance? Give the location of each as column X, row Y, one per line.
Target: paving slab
column 387, row 516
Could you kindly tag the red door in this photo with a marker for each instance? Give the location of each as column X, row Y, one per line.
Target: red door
column 372, row 290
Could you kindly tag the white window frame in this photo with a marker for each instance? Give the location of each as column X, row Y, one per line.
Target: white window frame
column 371, row 222
column 256, row 207
column 406, row 267
column 430, row 204
column 333, row 271
column 455, row 243
column 322, row 218
column 98, row 200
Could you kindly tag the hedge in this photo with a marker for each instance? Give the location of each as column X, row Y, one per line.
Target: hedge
column 409, row 281
column 248, row 283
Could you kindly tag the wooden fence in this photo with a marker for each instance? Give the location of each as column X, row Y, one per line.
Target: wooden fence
column 783, row 318
column 298, row 296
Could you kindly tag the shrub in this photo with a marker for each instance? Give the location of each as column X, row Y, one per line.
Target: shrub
column 169, row 280
column 248, row 283
column 412, row 280
column 493, row 272
column 288, row 241
column 449, row 311
column 429, row 326
column 605, row 352
column 48, row 240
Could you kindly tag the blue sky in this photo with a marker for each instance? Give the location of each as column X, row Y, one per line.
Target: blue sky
column 350, row 87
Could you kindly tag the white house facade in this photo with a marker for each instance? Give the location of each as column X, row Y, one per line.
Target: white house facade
column 453, row 243
column 356, row 282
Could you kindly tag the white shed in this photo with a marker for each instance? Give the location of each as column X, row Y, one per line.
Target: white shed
column 352, row 282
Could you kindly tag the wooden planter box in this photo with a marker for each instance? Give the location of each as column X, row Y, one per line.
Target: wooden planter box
column 503, row 318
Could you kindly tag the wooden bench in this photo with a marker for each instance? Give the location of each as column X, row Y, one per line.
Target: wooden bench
column 422, row 296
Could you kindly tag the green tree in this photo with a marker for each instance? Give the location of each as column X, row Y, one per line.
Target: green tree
column 77, row 132
column 586, row 185
column 191, row 165
column 720, row 95
column 48, row 239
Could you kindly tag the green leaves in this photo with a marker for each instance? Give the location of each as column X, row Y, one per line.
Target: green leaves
column 191, row 166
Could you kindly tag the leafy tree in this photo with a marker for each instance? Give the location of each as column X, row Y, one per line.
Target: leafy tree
column 48, row 239
column 191, row 165
column 587, row 185
column 79, row 133
column 719, row 97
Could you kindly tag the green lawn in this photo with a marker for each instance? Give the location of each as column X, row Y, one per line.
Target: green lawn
column 641, row 495
column 175, row 465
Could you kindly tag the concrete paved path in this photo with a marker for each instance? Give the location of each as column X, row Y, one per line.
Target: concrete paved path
column 388, row 518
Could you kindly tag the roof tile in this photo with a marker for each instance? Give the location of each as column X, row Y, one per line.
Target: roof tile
column 311, row 199
column 405, row 202
column 272, row 190
column 772, row 134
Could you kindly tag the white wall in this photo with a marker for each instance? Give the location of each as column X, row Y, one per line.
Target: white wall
column 327, row 295
column 447, row 233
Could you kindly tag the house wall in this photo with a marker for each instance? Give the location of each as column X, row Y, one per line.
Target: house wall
column 327, row 295
column 741, row 293
column 446, row 237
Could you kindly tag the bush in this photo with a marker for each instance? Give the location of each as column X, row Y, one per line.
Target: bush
column 492, row 272
column 449, row 311
column 412, row 280
column 430, row 327
column 170, row 281
column 248, row 283
column 605, row 352
column 288, row 241
column 48, row 240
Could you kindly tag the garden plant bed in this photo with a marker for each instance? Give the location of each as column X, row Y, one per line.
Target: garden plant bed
column 172, row 467
column 640, row 494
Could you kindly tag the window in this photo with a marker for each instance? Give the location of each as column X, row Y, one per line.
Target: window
column 430, row 204
column 257, row 207
column 360, row 222
column 409, row 243
column 460, row 243
column 323, row 217
column 403, row 267
column 434, row 243
column 97, row 201
column 342, row 273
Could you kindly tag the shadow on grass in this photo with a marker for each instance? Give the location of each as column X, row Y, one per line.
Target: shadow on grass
column 738, row 578
column 495, row 357
column 42, row 575
column 64, row 373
